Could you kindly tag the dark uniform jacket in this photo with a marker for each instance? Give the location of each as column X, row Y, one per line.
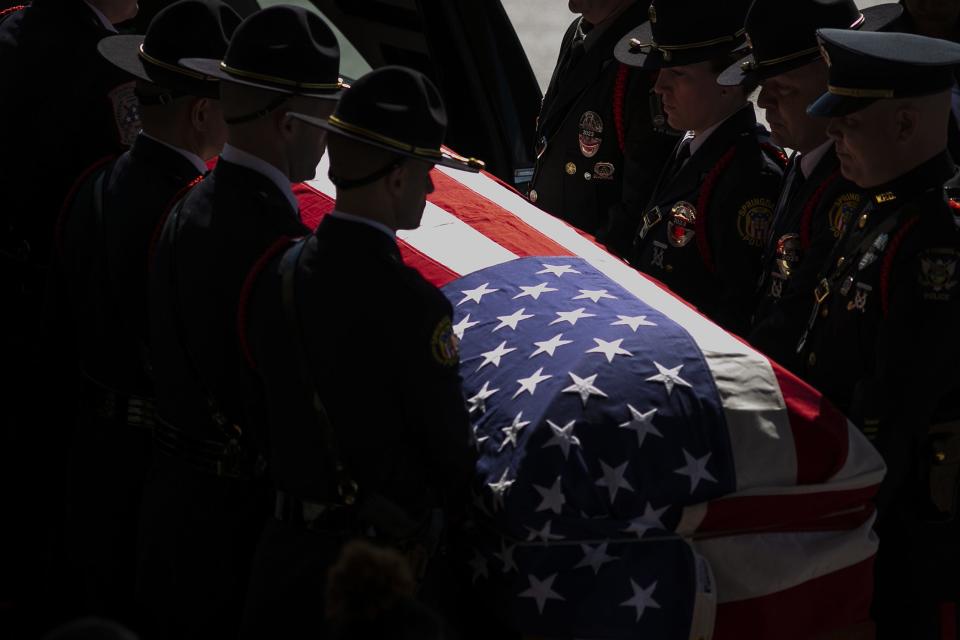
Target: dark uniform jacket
column 885, row 348
column 591, row 172
column 199, row 530
column 705, row 226
column 379, row 349
column 807, row 223
column 99, row 287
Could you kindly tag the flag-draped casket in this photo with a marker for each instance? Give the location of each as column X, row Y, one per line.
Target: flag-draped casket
column 642, row 473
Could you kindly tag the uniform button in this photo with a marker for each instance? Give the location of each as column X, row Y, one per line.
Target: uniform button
column 570, row 168
column 824, row 312
column 812, row 359
column 841, row 261
column 533, row 195
column 669, row 268
column 863, row 221
column 587, row 175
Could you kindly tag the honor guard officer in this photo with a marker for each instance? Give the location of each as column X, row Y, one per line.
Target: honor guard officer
column 206, row 503
column 815, row 198
column 882, row 339
column 368, row 427
column 100, row 285
column 599, row 151
column 704, row 228
column 62, row 107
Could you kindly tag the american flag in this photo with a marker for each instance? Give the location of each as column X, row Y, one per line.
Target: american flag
column 643, row 472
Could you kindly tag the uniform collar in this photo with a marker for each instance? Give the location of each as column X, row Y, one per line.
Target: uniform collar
column 102, row 18
column 192, row 158
column 349, row 217
column 810, row 160
column 929, row 175
column 698, row 141
column 248, row 160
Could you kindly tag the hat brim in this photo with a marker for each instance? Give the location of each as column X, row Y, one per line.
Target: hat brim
column 875, row 18
column 446, row 159
column 123, row 51
column 212, row 68
column 830, row 105
column 653, row 59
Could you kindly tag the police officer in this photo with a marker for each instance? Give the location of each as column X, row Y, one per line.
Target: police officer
column 704, row 227
column 203, row 507
column 100, row 285
column 62, row 107
column 815, row 199
column 881, row 340
column 368, row 427
column 598, row 150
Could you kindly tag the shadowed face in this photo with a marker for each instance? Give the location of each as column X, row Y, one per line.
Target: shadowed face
column 690, row 95
column 412, row 196
column 785, row 99
column 864, row 144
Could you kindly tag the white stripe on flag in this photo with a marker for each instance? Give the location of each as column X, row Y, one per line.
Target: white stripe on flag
column 754, row 407
column 441, row 235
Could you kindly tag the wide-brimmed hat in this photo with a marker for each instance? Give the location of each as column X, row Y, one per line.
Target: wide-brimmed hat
column 397, row 109
column 185, row 29
column 783, row 35
column 284, row 49
column 870, row 66
column 681, row 32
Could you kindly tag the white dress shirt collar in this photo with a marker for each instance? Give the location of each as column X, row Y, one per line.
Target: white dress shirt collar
column 810, row 160
column 264, row 168
column 103, row 19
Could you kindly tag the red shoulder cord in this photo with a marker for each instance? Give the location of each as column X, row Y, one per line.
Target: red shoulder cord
column 888, row 262
column 158, row 230
column 68, row 201
column 619, row 100
column 776, row 152
column 281, row 244
column 706, row 190
column 5, row 12
column 806, row 220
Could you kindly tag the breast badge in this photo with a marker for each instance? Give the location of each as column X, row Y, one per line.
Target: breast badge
column 126, row 112
column 842, row 210
column 591, row 126
column 938, row 273
column 681, row 224
column 859, row 302
column 788, row 253
column 445, row 345
column 603, row 171
column 753, row 221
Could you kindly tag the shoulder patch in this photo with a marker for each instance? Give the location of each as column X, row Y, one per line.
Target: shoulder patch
column 126, row 112
column 937, row 273
column 444, row 344
column 754, row 220
column 842, row 209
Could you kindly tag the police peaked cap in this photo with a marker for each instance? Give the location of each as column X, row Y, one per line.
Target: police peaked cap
column 397, row 109
column 188, row 28
column 682, row 32
column 284, row 49
column 866, row 67
column 783, row 34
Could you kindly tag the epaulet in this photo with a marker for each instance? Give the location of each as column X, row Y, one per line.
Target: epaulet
column 6, row 13
column 161, row 223
column 249, row 282
column 703, row 202
column 888, row 260
column 776, row 153
column 806, row 219
column 619, row 102
column 67, row 204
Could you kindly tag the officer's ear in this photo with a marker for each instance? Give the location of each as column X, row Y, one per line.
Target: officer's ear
column 200, row 114
column 906, row 120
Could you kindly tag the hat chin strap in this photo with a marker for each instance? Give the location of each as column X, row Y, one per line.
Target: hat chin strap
column 344, row 184
column 256, row 115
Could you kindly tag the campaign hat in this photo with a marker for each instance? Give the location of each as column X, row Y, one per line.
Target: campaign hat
column 782, row 36
column 397, row 109
column 868, row 66
column 284, row 49
column 188, row 28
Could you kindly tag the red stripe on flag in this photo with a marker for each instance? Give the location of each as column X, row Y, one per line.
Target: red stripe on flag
column 819, row 429
column 818, row 608
column 315, row 204
column 489, row 218
column 821, row 511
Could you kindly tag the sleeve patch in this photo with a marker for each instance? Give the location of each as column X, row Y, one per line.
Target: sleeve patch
column 445, row 345
column 126, row 112
column 754, row 221
column 937, row 274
